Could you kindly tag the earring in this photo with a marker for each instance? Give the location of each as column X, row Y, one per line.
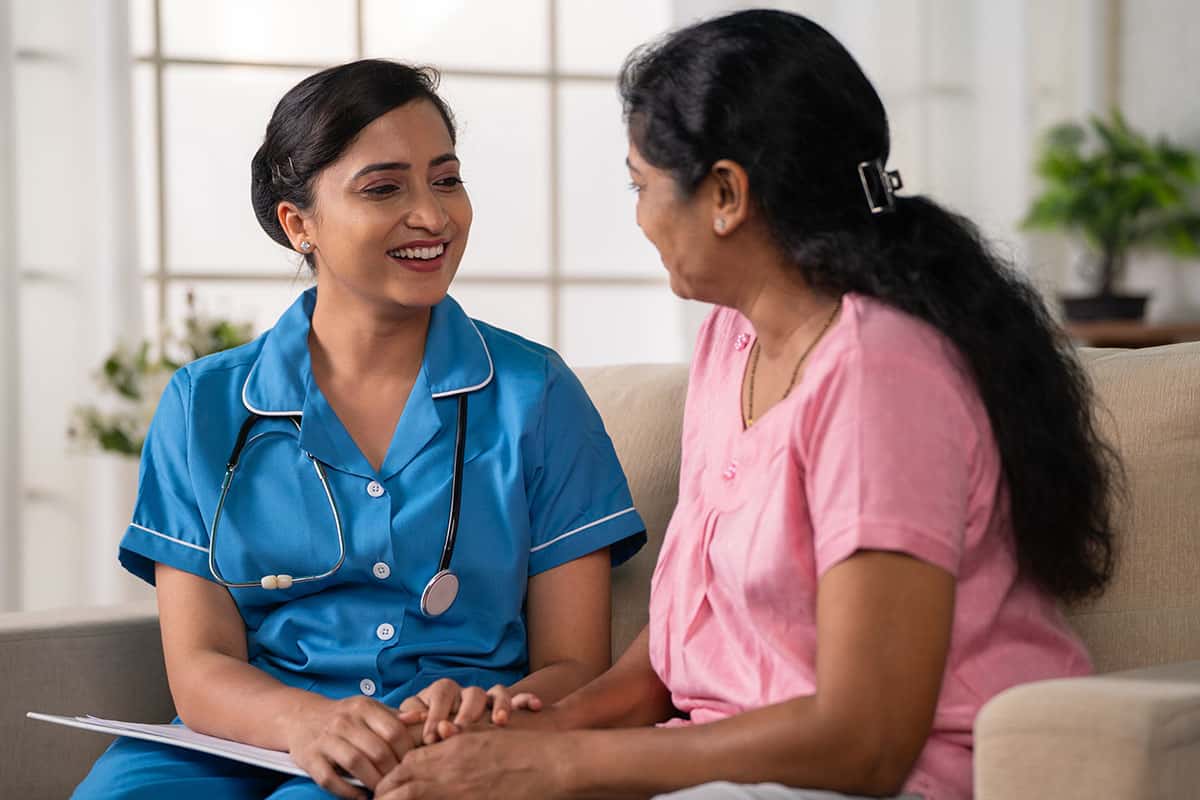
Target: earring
column 305, row 246
column 719, row 224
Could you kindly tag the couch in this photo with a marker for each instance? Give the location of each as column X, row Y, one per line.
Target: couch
column 1131, row 731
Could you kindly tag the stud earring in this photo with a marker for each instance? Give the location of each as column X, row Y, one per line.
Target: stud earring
column 720, row 224
column 305, row 246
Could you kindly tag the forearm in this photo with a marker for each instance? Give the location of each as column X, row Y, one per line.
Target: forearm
column 789, row 743
column 629, row 694
column 224, row 696
column 555, row 681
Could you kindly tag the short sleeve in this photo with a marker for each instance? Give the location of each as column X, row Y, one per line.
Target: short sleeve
column 167, row 526
column 579, row 498
column 888, row 452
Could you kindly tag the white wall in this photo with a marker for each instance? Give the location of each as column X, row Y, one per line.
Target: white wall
column 1159, row 91
column 10, row 463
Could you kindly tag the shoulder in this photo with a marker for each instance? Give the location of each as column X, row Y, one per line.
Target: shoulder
column 884, row 341
column 220, row 372
column 517, row 360
column 880, row 357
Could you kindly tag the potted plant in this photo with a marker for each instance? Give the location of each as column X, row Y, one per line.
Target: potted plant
column 132, row 380
column 1121, row 191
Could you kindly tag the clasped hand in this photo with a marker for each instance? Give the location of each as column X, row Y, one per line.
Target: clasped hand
column 444, row 708
column 363, row 738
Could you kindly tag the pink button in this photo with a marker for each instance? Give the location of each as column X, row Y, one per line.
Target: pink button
column 730, row 472
column 740, row 342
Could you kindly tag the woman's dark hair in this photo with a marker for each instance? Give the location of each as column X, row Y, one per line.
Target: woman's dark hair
column 777, row 94
column 318, row 119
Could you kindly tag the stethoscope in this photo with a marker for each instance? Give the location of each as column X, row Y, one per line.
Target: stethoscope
column 442, row 589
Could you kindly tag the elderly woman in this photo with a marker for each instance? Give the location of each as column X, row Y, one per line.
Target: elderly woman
column 889, row 472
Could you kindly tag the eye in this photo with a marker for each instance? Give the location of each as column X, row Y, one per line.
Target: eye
column 450, row 182
column 635, row 188
column 381, row 190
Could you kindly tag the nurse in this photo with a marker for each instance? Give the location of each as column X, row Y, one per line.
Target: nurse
column 394, row 439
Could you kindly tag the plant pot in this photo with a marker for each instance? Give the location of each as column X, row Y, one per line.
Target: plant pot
column 1104, row 307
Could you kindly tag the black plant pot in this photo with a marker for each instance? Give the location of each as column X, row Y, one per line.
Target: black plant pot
column 1104, row 306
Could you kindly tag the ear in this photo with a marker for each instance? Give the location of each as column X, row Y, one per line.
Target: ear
column 296, row 225
column 730, row 195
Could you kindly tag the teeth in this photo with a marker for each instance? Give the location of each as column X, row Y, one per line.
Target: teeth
column 420, row 253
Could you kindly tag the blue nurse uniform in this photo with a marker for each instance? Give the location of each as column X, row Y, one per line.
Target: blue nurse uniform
column 541, row 486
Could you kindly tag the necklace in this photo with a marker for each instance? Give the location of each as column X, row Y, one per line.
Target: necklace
column 795, row 371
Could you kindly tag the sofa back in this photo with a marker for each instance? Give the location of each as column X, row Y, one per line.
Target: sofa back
column 1149, row 408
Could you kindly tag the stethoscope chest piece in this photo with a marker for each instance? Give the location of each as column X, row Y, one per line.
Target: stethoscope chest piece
column 439, row 593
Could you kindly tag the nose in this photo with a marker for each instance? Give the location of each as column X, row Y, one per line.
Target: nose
column 427, row 213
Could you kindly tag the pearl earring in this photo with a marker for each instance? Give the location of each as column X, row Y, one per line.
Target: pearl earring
column 720, row 224
column 305, row 246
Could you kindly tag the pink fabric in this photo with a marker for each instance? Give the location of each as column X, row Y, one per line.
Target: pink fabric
column 884, row 444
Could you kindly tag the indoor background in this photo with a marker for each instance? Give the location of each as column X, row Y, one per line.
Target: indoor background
column 126, row 130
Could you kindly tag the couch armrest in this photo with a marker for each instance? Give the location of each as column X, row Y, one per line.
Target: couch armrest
column 1123, row 735
column 104, row 661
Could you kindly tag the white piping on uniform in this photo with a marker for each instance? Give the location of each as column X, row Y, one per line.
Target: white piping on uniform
column 169, row 538
column 491, row 367
column 254, row 410
column 581, row 528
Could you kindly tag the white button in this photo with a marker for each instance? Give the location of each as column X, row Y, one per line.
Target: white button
column 375, row 489
column 385, row 631
column 367, row 686
column 381, row 570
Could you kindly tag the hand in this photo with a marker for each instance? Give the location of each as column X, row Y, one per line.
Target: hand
column 357, row 735
column 492, row 765
column 437, row 703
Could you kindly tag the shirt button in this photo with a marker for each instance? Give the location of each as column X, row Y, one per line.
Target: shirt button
column 381, row 570
column 375, row 489
column 730, row 472
column 367, row 686
column 385, row 631
column 740, row 341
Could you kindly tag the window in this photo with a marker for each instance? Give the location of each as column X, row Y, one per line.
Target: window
column 553, row 253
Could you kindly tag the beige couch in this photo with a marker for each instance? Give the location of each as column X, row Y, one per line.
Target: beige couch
column 1125, row 734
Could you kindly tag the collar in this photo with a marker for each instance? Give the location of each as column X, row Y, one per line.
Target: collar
column 280, row 383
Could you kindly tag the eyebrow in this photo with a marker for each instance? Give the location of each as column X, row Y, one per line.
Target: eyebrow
column 631, row 167
column 386, row 165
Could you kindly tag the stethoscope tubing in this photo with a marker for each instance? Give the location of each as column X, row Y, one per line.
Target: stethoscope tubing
column 230, row 468
column 434, row 601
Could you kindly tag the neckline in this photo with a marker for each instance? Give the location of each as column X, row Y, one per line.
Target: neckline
column 797, row 389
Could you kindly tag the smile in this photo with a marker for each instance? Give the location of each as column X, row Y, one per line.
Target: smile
column 418, row 253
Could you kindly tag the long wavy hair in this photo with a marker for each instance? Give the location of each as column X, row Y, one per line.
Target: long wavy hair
column 780, row 96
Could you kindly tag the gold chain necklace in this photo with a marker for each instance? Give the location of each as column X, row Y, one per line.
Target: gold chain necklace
column 795, row 371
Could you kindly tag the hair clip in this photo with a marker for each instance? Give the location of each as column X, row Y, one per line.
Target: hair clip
column 875, row 178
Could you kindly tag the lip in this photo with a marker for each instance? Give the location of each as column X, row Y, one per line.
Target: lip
column 422, row 265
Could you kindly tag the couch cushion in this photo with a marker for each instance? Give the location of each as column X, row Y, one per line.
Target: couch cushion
column 642, row 407
column 1149, row 408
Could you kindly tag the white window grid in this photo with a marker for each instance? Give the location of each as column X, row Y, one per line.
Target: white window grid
column 162, row 278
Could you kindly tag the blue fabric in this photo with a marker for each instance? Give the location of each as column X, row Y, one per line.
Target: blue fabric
column 542, row 486
column 132, row 769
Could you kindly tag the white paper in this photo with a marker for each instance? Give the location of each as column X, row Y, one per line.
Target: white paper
column 183, row 736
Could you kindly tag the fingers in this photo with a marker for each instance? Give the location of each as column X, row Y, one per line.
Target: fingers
column 393, row 731
column 472, row 704
column 501, row 700
column 527, row 701
column 442, row 697
column 322, row 767
column 361, row 753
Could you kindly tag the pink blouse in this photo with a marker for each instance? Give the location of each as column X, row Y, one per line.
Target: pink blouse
column 884, row 445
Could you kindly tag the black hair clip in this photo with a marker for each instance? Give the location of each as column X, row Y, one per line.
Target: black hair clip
column 879, row 185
